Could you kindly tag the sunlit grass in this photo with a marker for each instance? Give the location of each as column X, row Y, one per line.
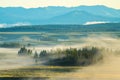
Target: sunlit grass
column 38, row 71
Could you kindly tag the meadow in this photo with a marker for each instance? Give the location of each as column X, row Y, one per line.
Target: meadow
column 54, row 42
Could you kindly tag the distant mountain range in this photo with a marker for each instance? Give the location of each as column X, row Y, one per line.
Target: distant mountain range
column 59, row 15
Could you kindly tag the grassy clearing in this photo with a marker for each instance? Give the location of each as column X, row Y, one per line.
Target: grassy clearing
column 38, row 71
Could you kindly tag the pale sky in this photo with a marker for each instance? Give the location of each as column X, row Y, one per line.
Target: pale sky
column 67, row 3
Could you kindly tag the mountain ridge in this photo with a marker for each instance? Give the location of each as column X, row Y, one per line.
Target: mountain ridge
column 42, row 15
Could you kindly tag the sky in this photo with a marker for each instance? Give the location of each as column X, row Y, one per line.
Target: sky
column 68, row 3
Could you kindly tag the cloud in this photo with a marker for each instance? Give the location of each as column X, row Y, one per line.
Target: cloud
column 94, row 22
column 4, row 25
column 20, row 24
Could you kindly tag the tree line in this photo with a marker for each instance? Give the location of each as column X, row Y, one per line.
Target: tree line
column 65, row 57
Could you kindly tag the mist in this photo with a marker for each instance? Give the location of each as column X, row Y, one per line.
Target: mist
column 5, row 25
column 107, row 69
column 95, row 22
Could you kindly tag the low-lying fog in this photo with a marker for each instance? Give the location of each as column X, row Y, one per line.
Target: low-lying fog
column 10, row 60
column 108, row 69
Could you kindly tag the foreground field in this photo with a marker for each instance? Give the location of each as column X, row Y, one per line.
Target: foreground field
column 24, row 68
column 109, row 70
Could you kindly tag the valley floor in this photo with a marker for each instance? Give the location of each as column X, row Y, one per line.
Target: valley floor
column 14, row 66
